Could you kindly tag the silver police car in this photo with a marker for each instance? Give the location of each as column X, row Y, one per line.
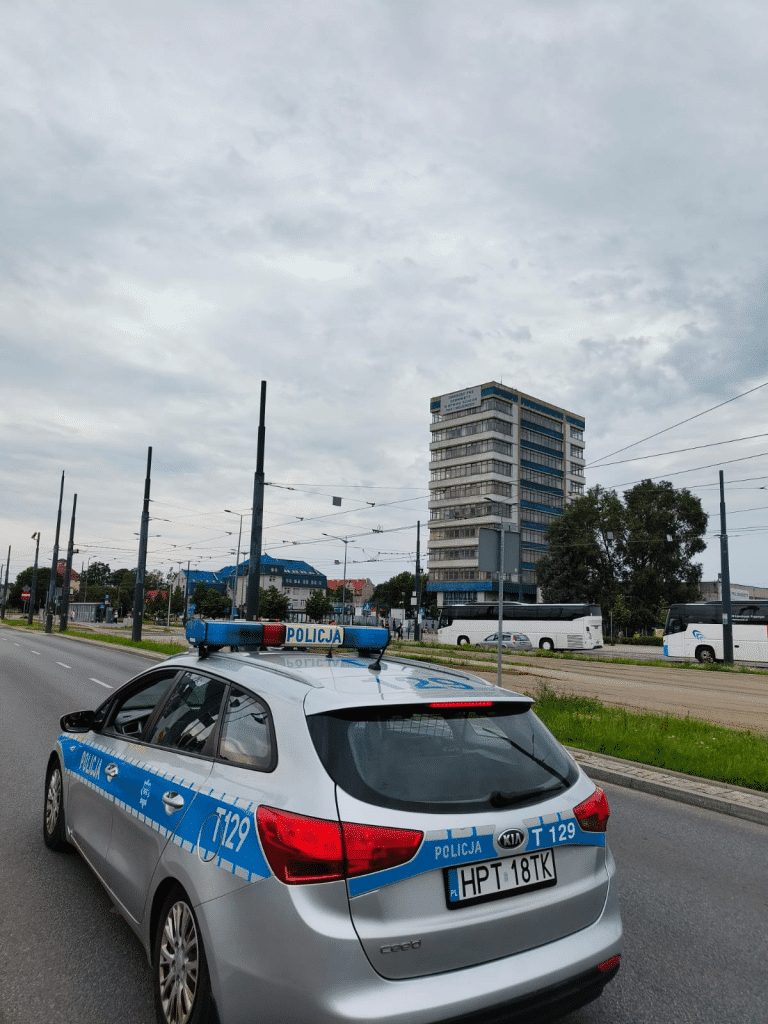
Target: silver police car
column 315, row 832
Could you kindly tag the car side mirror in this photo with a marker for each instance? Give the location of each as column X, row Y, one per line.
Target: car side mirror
column 78, row 721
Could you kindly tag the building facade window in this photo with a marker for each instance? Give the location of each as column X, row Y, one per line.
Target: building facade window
column 576, row 434
column 492, row 425
column 452, row 554
column 453, row 533
column 541, row 443
column 462, row 451
column 533, row 420
column 484, row 468
column 576, row 452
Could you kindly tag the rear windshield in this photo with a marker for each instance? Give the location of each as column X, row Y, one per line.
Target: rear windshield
column 442, row 759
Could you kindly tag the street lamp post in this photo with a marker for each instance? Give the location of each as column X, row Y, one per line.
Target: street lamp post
column 237, row 563
column 344, row 541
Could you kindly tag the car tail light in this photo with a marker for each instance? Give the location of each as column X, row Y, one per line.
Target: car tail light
column 593, row 814
column 300, row 849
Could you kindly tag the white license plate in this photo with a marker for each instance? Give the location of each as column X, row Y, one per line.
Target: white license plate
column 494, row 879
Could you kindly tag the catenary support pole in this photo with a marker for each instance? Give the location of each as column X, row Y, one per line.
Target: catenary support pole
column 254, row 563
column 68, row 572
column 141, row 569
column 4, row 596
column 417, row 585
column 726, row 584
column 54, row 566
column 33, row 589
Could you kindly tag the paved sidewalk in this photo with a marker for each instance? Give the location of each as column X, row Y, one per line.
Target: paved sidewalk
column 689, row 789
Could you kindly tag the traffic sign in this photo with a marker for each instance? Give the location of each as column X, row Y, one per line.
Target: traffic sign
column 25, row 595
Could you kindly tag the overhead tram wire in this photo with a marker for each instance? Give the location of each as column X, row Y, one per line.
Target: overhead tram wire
column 694, row 469
column 678, row 451
column 595, row 464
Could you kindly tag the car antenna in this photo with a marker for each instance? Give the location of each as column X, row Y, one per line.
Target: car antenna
column 376, row 666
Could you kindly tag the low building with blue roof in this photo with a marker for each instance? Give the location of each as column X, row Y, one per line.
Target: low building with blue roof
column 298, row 580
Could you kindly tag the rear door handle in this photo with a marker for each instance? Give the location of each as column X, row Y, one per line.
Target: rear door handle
column 173, row 802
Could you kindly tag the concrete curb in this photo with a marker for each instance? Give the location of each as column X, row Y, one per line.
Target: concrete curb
column 737, row 801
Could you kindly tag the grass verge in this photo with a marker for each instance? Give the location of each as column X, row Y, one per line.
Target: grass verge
column 686, row 745
column 444, row 653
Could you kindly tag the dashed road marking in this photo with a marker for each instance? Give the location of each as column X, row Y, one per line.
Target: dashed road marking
column 100, row 683
column 63, row 665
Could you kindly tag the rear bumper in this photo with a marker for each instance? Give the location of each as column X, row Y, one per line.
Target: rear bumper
column 547, row 1005
column 267, row 966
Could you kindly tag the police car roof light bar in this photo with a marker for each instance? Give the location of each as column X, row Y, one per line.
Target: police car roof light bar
column 212, row 634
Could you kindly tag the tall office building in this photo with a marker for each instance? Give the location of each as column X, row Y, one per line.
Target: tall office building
column 497, row 455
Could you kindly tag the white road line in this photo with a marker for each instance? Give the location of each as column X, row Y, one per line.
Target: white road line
column 63, row 665
column 34, row 652
column 100, row 683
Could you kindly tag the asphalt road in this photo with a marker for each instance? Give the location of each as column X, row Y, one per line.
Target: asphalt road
column 694, row 893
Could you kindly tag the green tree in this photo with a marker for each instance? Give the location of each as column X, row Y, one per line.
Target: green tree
column 209, row 602
column 318, row 606
column 343, row 595
column 24, row 582
column 664, row 530
column 177, row 601
column 97, row 574
column 273, row 604
column 632, row 557
column 583, row 562
column 398, row 592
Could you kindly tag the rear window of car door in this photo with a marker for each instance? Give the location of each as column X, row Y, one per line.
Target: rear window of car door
column 189, row 717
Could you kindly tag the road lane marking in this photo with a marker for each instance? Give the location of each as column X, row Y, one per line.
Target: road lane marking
column 63, row 665
column 100, row 683
column 34, row 652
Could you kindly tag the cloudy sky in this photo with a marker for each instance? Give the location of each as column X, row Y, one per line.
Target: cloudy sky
column 366, row 203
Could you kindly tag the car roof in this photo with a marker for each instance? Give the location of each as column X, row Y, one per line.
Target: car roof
column 345, row 681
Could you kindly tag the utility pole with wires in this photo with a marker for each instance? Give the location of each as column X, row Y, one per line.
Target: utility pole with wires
column 254, row 563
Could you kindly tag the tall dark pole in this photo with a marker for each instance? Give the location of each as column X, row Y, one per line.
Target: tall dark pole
column 726, row 582
column 4, row 596
column 68, row 572
column 33, row 592
column 186, row 595
column 54, row 566
column 141, row 569
column 254, row 563
column 417, row 585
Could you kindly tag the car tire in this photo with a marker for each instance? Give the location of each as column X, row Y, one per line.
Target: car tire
column 462, row 641
column 53, row 812
column 546, row 644
column 705, row 655
column 181, row 980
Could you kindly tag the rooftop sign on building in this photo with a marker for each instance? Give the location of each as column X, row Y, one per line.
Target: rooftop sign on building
column 467, row 399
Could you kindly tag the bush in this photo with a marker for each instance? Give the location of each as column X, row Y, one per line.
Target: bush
column 638, row 641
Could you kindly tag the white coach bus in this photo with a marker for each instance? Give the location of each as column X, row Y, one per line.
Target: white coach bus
column 695, row 630
column 566, row 627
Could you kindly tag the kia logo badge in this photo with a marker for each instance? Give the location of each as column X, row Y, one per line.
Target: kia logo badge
column 510, row 838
